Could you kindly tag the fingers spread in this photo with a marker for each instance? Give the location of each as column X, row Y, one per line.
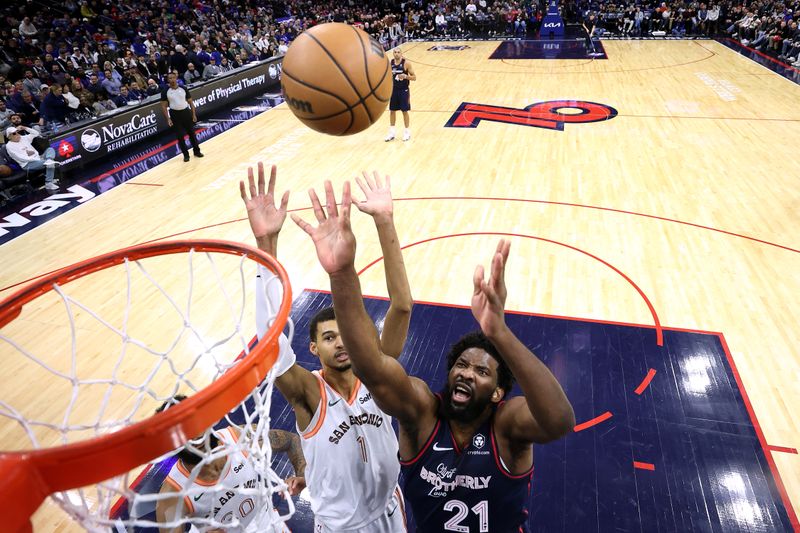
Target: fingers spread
column 370, row 181
column 347, row 200
column 377, row 179
column 363, row 187
column 284, row 201
column 273, row 175
column 330, row 199
column 497, row 269
column 318, row 212
column 477, row 279
column 260, row 178
column 251, row 182
column 305, row 226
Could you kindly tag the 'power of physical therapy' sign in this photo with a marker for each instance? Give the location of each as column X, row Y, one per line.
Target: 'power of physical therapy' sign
column 91, row 141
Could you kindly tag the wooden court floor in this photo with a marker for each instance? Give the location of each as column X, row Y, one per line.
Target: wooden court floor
column 691, row 191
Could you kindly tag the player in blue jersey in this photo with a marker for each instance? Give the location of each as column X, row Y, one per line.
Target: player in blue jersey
column 402, row 74
column 467, row 455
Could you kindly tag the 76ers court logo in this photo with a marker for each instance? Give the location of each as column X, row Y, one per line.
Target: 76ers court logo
column 550, row 115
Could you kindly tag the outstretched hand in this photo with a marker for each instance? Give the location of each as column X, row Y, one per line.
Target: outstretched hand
column 296, row 485
column 333, row 238
column 378, row 196
column 489, row 297
column 266, row 220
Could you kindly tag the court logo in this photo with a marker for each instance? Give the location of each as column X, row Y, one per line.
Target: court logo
column 551, row 115
column 90, row 140
column 447, row 47
column 65, row 147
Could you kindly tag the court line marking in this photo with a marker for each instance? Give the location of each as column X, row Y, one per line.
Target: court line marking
column 782, row 449
column 592, row 72
column 599, row 208
column 148, row 184
column 646, row 381
column 659, row 332
column 787, row 502
column 593, row 422
column 458, row 198
column 656, row 321
column 748, row 60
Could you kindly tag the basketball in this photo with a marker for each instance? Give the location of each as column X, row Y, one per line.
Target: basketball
column 336, row 79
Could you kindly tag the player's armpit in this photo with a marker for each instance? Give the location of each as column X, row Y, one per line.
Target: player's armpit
column 300, row 388
column 515, row 420
column 401, row 396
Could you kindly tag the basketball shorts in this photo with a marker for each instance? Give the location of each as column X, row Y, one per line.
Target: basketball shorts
column 401, row 101
column 393, row 519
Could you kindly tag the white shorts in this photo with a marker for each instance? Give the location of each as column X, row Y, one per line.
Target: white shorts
column 393, row 520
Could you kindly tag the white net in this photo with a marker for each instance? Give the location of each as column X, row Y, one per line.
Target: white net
column 105, row 351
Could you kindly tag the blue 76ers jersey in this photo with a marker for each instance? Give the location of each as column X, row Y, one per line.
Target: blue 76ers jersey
column 469, row 490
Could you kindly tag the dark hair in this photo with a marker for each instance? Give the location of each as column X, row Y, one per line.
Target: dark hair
column 322, row 316
column 175, row 400
column 476, row 339
column 188, row 457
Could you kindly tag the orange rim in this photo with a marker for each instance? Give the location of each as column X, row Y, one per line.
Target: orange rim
column 28, row 477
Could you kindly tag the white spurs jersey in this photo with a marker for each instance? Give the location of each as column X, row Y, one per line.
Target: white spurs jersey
column 351, row 455
column 222, row 501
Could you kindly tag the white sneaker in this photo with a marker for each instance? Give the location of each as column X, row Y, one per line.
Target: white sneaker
column 407, row 136
column 51, row 186
column 51, row 163
column 389, row 137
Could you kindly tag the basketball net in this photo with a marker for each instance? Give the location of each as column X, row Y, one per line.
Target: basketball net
column 94, row 349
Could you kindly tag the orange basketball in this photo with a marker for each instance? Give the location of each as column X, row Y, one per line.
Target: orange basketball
column 336, row 79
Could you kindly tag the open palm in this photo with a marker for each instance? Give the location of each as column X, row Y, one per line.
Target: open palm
column 265, row 218
column 333, row 238
column 378, row 195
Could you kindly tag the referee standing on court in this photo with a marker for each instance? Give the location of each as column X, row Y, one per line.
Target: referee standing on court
column 178, row 107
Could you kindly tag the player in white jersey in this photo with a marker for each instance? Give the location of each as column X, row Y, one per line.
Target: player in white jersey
column 349, row 444
column 227, row 479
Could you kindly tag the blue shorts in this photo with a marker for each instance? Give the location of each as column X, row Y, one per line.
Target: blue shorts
column 401, row 101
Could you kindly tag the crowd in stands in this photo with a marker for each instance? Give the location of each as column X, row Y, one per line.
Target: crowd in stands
column 63, row 62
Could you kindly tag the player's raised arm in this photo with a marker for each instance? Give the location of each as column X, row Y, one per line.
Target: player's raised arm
column 544, row 414
column 378, row 204
column 266, row 219
column 167, row 508
column 394, row 391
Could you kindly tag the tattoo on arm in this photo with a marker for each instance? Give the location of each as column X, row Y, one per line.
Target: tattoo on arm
column 284, row 441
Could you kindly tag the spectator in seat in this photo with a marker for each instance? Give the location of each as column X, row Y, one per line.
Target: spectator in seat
column 136, row 92
column 21, row 150
column 124, row 97
column 29, row 109
column 191, row 75
column 31, row 84
column 110, row 85
column 211, row 70
column 152, row 87
column 5, row 116
column 54, row 108
column 94, row 86
column 103, row 104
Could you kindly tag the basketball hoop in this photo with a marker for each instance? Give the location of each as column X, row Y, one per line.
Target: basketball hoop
column 104, row 451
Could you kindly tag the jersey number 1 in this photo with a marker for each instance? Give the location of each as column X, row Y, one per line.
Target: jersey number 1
column 363, row 444
column 462, row 510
